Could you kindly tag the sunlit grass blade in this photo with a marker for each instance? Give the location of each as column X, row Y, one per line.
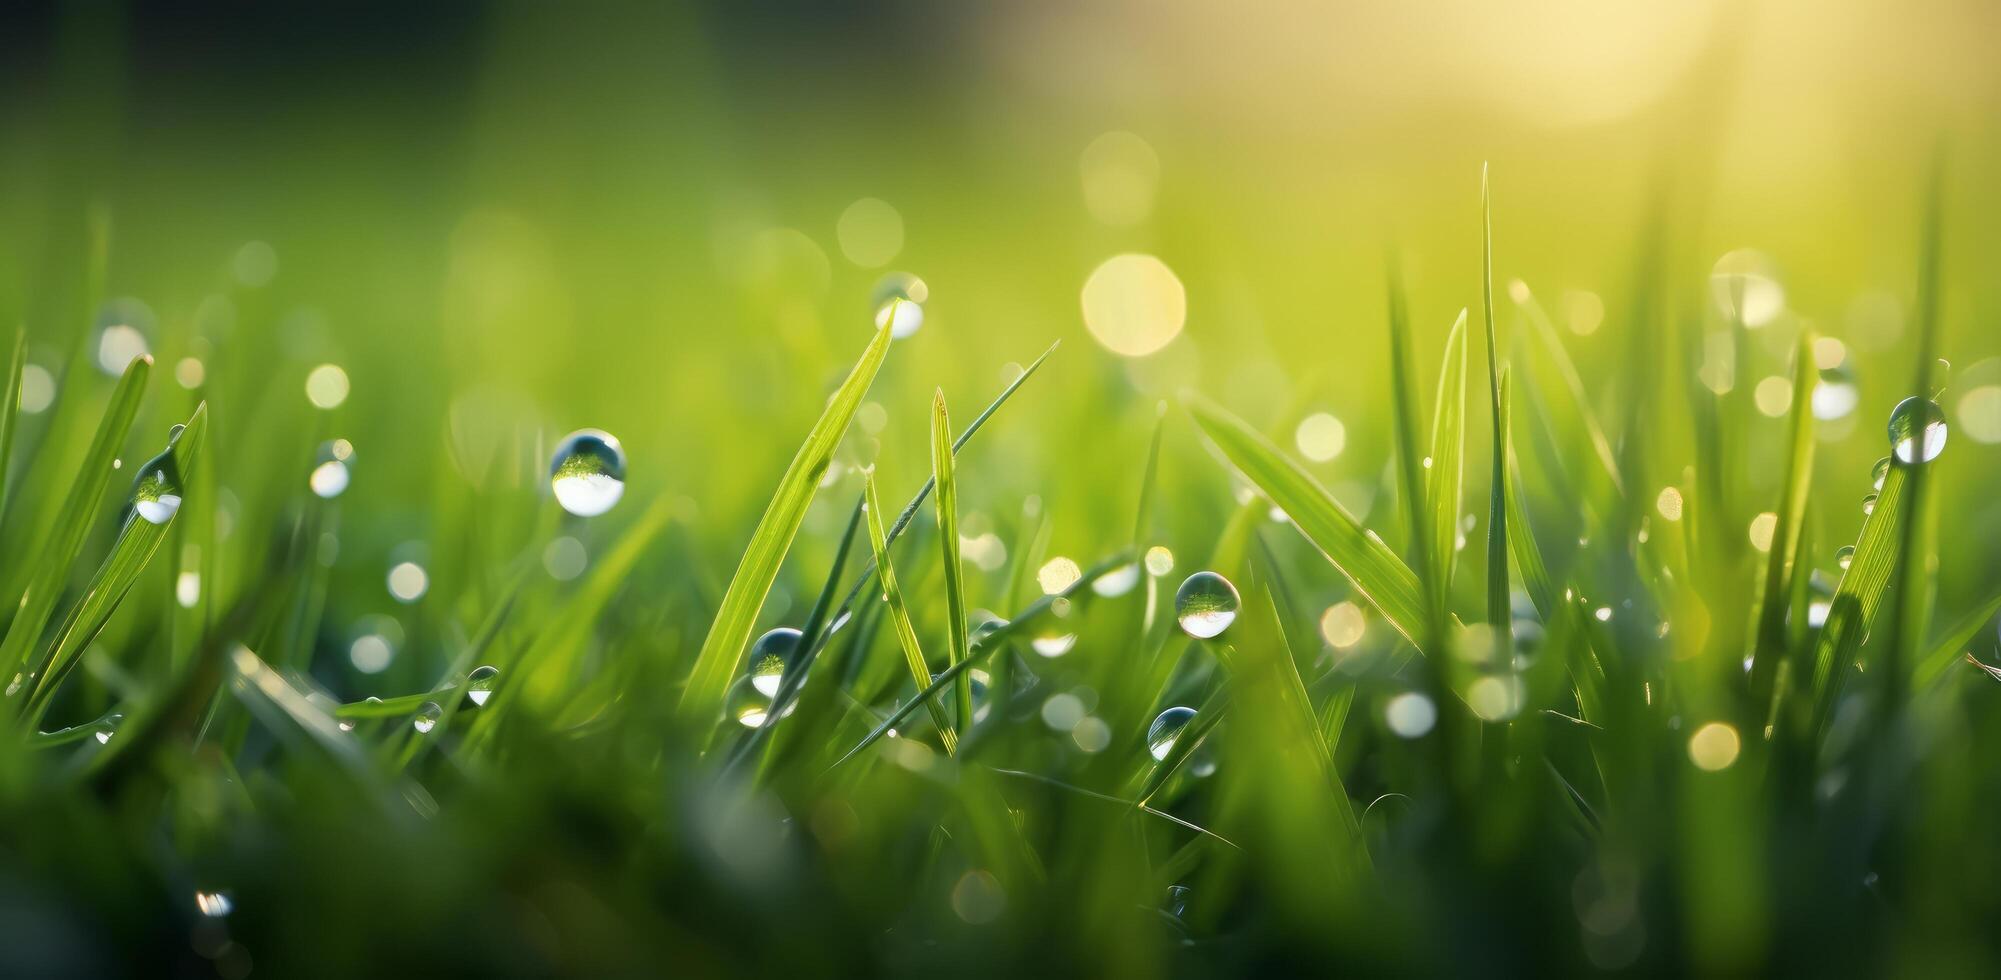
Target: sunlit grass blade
column 1497, row 508
column 984, row 646
column 1369, row 564
column 1412, row 477
column 737, row 614
column 137, row 541
column 795, row 676
column 948, row 544
column 910, row 509
column 1860, row 594
column 72, row 523
column 1948, row 647
column 1445, row 479
column 899, row 612
column 10, row 405
column 1572, row 394
column 1771, row 636
column 546, row 670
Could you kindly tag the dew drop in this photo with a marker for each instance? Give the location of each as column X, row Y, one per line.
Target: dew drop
column 588, row 472
column 1166, row 730
column 748, row 705
column 1879, row 473
column 480, row 684
column 901, row 296
column 215, row 905
column 427, row 717
column 1053, row 642
column 107, row 728
column 1206, row 604
column 770, row 657
column 156, row 490
column 1844, row 556
column 1917, row 430
column 1868, row 504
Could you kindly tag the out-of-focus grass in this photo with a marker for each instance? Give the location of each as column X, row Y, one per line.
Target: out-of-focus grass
column 1656, row 724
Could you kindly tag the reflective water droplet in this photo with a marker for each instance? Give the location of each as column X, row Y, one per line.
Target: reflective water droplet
column 1844, row 556
column 427, row 717
column 1166, row 729
column 1868, row 504
column 329, row 476
column 907, row 294
column 748, row 705
column 1177, row 900
column 770, row 657
column 588, row 472
column 1917, row 430
column 156, row 490
column 1052, row 641
column 1206, row 604
column 480, row 684
column 346, row 724
column 107, row 728
column 1879, row 473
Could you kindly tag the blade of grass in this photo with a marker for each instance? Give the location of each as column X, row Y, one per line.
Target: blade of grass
column 1497, row 508
column 10, row 404
column 982, row 647
column 1858, row 597
column 1411, row 474
column 1375, row 571
column 702, row 699
column 910, row 509
column 899, row 614
column 1445, row 479
column 1947, row 648
column 137, row 542
column 948, row 543
column 65, row 541
column 1772, row 640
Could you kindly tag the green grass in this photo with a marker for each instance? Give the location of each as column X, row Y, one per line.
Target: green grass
column 1630, row 738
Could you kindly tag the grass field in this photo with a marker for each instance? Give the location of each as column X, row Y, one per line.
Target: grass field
column 658, row 492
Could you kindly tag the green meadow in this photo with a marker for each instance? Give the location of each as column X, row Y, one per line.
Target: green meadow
column 1123, row 490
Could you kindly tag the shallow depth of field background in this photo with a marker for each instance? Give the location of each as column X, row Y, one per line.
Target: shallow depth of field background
column 628, row 218
column 505, row 223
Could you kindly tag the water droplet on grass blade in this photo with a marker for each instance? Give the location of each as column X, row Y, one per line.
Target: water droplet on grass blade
column 107, row 728
column 1868, row 504
column 902, row 296
column 1917, row 430
column 1879, row 473
column 748, row 705
column 480, row 684
column 588, row 472
column 156, row 491
column 1844, row 556
column 1052, row 641
column 427, row 717
column 1166, row 729
column 770, row 657
column 1206, row 604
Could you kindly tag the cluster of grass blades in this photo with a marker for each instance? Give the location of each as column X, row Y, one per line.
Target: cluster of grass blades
column 1634, row 736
